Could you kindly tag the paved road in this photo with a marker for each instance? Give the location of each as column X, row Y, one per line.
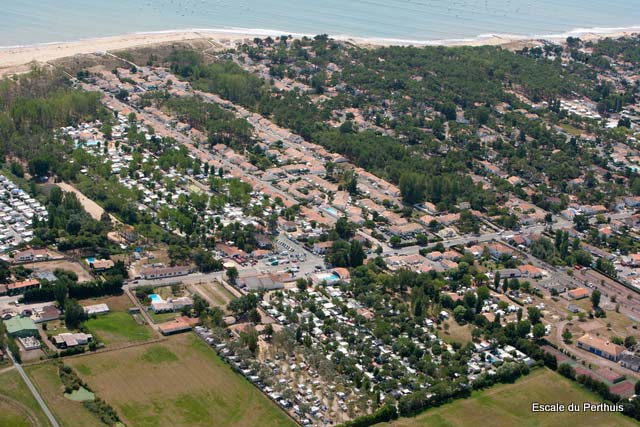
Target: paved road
column 35, row 392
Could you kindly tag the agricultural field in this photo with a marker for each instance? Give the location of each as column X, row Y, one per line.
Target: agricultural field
column 178, row 382
column 18, row 408
column 69, row 413
column 117, row 327
column 510, row 405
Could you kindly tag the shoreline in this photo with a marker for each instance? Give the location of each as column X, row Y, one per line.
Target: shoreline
column 16, row 58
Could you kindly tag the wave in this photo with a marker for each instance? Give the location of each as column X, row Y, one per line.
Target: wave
column 262, row 32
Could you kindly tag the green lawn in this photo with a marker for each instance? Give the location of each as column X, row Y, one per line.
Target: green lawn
column 18, row 407
column 118, row 328
column 179, row 382
column 510, row 405
column 162, row 317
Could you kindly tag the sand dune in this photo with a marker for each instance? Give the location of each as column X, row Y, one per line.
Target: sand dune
column 16, row 59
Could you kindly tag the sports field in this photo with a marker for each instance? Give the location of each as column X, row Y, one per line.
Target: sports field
column 510, row 405
column 18, row 408
column 178, row 382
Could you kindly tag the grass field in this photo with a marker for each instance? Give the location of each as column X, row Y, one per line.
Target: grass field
column 457, row 333
column 118, row 328
column 510, row 405
column 179, row 382
column 67, row 412
column 214, row 292
column 162, row 317
column 18, row 408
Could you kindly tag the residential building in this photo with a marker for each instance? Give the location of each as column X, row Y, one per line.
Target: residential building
column 68, row 339
column 578, row 293
column 45, row 314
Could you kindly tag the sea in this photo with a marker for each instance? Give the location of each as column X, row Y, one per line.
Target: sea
column 27, row 22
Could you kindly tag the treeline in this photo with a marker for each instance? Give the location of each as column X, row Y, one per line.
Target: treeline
column 381, row 415
column 222, row 127
column 34, row 105
column 437, row 395
column 225, row 78
column 65, row 288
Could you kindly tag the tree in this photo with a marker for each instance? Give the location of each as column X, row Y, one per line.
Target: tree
column 412, row 188
column 581, row 222
column 459, row 314
column 567, row 336
column 200, row 305
column 538, row 331
column 254, row 316
column 534, row 315
column 232, row 275
column 595, row 298
column 630, row 341
column 268, row 331
column 566, row 370
column 243, row 304
column 356, row 254
column 60, row 291
column 249, row 338
column 39, row 166
column 496, row 281
column 74, row 314
column 122, row 95
column 344, row 228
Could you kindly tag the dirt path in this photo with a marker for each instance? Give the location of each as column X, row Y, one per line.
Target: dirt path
column 92, row 208
column 26, row 412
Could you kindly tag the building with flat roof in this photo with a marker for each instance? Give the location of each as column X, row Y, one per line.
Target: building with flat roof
column 630, row 361
column 262, row 282
column 96, row 309
column 19, row 326
column 600, row 347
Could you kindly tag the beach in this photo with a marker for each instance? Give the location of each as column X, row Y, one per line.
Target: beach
column 17, row 59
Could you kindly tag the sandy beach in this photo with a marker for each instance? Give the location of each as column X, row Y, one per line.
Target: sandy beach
column 16, row 59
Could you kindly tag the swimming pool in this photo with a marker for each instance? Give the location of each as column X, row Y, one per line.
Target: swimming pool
column 331, row 211
column 155, row 298
column 330, row 278
column 91, row 260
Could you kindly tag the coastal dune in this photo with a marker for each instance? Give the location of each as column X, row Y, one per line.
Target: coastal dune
column 16, row 59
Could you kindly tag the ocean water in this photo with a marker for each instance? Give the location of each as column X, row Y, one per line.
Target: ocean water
column 43, row 21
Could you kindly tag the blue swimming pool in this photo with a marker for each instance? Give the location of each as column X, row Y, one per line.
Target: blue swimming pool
column 331, row 211
column 91, row 260
column 329, row 277
column 155, row 298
